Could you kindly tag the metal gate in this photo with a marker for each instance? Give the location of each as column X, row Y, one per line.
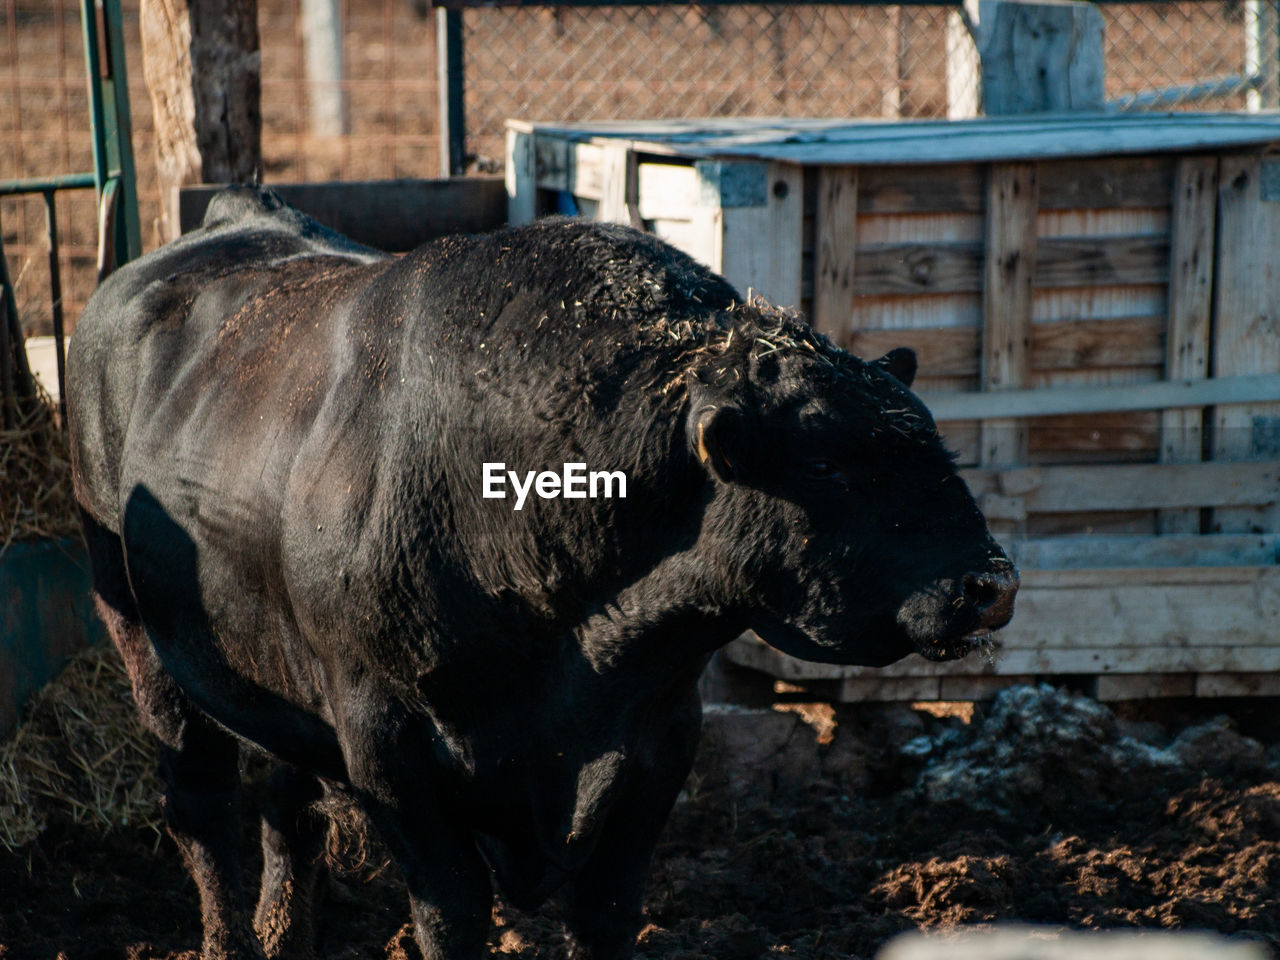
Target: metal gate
column 112, row 178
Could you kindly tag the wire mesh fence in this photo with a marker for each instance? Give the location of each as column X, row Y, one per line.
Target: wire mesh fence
column 564, row 63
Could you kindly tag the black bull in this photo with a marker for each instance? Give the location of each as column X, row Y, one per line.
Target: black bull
column 278, row 441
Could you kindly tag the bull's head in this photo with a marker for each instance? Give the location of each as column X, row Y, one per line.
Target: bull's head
column 836, row 512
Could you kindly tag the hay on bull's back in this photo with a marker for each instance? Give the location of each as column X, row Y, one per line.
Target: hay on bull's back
column 81, row 755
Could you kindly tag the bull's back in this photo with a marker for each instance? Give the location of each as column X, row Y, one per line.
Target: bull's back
column 153, row 331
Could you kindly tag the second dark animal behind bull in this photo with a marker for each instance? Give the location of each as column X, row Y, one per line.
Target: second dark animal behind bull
column 278, row 442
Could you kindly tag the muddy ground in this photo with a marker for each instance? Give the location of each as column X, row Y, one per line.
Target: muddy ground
column 812, row 832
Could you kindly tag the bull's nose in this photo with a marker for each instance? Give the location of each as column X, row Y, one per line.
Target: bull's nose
column 991, row 594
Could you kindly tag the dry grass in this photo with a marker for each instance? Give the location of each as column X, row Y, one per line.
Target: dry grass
column 36, row 501
column 80, row 756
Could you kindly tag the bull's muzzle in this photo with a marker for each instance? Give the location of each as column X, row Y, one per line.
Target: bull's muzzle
column 991, row 594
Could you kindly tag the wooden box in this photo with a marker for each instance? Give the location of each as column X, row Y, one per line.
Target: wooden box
column 1095, row 301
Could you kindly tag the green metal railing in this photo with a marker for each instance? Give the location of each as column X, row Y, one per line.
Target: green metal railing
column 113, row 178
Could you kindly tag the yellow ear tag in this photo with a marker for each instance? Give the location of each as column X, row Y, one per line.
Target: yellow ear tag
column 703, row 456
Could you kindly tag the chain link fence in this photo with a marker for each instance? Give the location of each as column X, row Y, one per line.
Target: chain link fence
column 564, row 63
column 592, row 63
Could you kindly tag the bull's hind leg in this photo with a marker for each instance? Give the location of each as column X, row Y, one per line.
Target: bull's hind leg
column 293, row 870
column 199, row 763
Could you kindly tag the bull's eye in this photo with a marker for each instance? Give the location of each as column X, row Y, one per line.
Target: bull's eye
column 822, row 470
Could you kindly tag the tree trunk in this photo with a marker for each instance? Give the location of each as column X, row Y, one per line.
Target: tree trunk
column 202, row 64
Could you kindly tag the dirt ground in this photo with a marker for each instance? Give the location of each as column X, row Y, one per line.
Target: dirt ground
column 806, row 831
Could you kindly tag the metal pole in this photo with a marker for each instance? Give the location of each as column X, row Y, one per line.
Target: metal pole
column 93, row 69
column 55, row 298
column 451, row 79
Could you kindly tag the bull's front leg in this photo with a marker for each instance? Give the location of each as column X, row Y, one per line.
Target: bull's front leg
column 389, row 761
column 606, row 899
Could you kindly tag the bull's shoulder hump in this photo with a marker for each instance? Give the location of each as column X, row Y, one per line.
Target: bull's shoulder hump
column 259, row 209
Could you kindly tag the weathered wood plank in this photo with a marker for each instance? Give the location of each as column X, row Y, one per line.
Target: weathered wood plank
column 1247, row 320
column 916, row 311
column 1141, row 486
column 1086, row 261
column 1145, row 686
column 1119, row 222
column 836, row 228
column 1125, row 342
column 899, row 189
column 878, row 228
column 918, row 268
column 977, row 687
column 944, row 352
column 1059, row 262
column 1237, row 684
column 1085, row 183
column 1101, row 302
column 1261, row 388
column 1195, row 209
column 1106, row 183
column 1010, row 265
column 762, row 245
column 521, row 183
column 953, row 351
column 618, row 202
column 876, row 689
column 1175, row 550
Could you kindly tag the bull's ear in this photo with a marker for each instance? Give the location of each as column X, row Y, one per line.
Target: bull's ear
column 900, row 364
column 716, row 434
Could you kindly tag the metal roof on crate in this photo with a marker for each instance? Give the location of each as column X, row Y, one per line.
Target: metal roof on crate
column 821, row 142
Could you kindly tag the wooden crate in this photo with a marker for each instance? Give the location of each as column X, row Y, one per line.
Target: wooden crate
column 1095, row 301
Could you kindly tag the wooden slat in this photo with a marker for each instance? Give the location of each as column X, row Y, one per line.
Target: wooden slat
column 1237, row 684
column 1177, row 550
column 522, row 187
column 837, row 242
column 1009, row 268
column 953, row 351
column 918, row 268
column 1131, row 486
column 1086, row 261
column 878, row 228
column 945, row 352
column 1128, row 222
column 876, row 689
column 1087, row 183
column 1120, row 436
column 762, row 245
column 1195, row 209
column 1100, row 302
column 1262, row 388
column 1145, row 686
column 1127, row 342
column 618, row 201
column 1246, row 320
column 901, row 189
column 916, row 311
column 1059, row 262
column 977, row 687
column 1106, row 183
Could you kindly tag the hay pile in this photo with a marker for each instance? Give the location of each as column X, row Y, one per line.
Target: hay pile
column 36, row 501
column 81, row 756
